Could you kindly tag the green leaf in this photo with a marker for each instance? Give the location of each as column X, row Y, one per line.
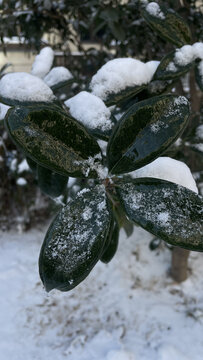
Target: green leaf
column 14, row 102
column 169, row 26
column 168, row 69
column 32, row 164
column 53, row 139
column 109, row 14
column 75, row 240
column 61, row 84
column 51, row 183
column 126, row 94
column 169, row 211
column 112, row 244
column 199, row 74
column 145, row 131
column 117, row 31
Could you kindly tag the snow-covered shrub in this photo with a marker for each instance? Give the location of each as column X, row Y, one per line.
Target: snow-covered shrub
column 114, row 159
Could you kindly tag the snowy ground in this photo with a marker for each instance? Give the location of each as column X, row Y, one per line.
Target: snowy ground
column 129, row 309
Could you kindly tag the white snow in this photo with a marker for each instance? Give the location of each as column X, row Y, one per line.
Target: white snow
column 199, row 147
column 184, row 55
column 90, row 110
column 200, row 68
column 22, row 86
column 21, row 181
column 94, row 163
column 43, row 62
column 171, row 67
column 129, row 309
column 188, row 53
column 3, row 110
column 23, row 166
column 199, row 132
column 154, row 9
column 120, row 73
column 56, row 75
column 198, row 50
column 169, row 169
column 13, row 164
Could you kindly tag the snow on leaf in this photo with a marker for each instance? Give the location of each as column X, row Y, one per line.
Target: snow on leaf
column 167, row 210
column 90, row 110
column 118, row 74
column 154, row 9
column 169, row 169
column 23, row 87
column 75, row 240
column 56, row 75
column 43, row 62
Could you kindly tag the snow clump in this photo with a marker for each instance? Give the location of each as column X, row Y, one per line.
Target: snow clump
column 90, row 110
column 3, row 111
column 154, row 9
column 43, row 62
column 117, row 74
column 23, row 166
column 168, row 169
column 21, row 181
column 22, row 86
column 56, row 75
column 188, row 53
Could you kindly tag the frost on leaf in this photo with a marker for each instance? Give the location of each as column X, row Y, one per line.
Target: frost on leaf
column 167, row 210
column 75, row 240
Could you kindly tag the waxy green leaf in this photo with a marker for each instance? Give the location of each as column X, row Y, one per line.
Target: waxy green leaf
column 168, row 24
column 126, row 94
column 51, row 183
column 167, row 210
column 32, row 164
column 53, row 139
column 61, row 84
column 111, row 243
column 199, row 74
column 145, row 131
column 75, row 240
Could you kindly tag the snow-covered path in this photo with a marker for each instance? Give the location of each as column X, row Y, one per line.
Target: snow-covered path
column 129, row 309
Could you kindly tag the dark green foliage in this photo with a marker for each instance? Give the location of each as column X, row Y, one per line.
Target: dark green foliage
column 126, row 94
column 32, row 164
column 51, row 183
column 15, row 102
column 61, row 84
column 112, row 244
column 53, row 139
column 151, row 126
column 75, row 240
column 170, row 26
column 167, row 210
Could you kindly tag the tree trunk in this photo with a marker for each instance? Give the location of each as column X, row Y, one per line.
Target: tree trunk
column 179, row 264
